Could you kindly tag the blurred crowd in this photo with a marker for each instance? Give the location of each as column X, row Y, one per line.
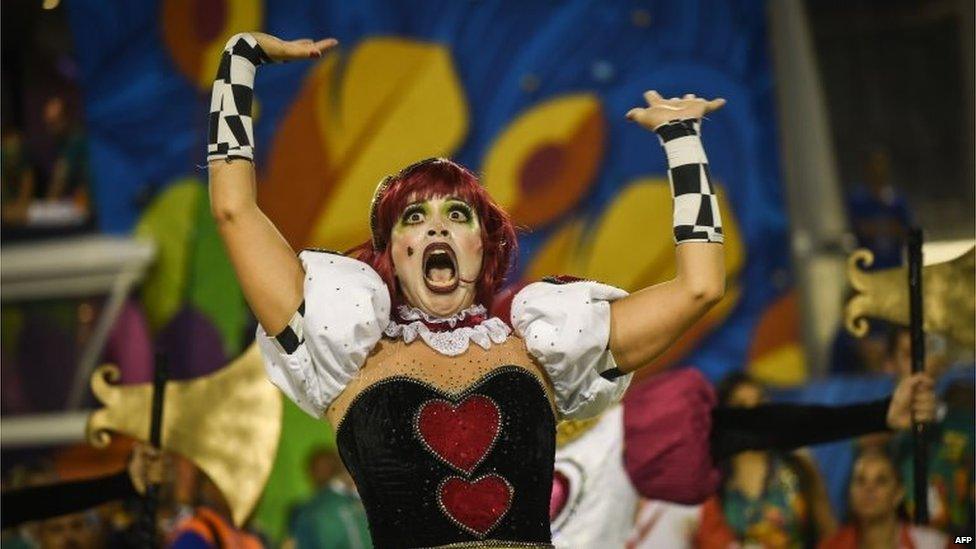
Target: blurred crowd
column 191, row 511
column 46, row 182
column 775, row 499
column 768, row 498
column 45, row 177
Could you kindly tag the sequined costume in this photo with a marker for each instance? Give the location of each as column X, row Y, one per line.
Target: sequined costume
column 446, row 425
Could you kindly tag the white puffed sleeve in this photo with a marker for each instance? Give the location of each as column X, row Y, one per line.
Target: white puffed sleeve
column 566, row 327
column 346, row 309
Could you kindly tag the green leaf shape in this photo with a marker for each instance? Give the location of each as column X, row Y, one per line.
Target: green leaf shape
column 212, row 287
column 169, row 222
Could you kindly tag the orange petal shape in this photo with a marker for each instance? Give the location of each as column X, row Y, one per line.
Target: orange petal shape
column 779, row 325
column 541, row 164
column 399, row 101
column 299, row 176
column 195, row 31
column 776, row 354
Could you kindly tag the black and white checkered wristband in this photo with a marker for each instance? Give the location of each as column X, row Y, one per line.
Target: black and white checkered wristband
column 696, row 214
column 231, row 132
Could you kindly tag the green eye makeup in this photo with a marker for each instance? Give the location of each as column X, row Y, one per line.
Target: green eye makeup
column 415, row 211
column 460, row 212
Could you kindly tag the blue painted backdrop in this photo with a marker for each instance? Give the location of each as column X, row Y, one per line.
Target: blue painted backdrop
column 146, row 120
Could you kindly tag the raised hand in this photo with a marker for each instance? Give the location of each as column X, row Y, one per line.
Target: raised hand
column 661, row 111
column 304, row 48
column 914, row 399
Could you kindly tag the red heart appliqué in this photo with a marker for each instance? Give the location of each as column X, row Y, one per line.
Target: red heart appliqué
column 459, row 435
column 476, row 506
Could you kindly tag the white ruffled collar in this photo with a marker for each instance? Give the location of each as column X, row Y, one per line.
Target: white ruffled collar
column 409, row 323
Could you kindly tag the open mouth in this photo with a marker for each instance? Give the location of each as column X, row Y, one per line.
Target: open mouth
column 440, row 268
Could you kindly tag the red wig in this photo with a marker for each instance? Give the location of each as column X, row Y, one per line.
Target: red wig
column 425, row 180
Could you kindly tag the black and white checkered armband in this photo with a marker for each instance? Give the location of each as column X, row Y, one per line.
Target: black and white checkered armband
column 231, row 128
column 293, row 335
column 696, row 214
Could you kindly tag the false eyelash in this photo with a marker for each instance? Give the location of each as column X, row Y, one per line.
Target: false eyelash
column 413, row 208
column 463, row 208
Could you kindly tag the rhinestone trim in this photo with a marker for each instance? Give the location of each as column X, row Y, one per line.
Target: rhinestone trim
column 445, row 394
column 459, row 524
column 454, row 406
column 493, row 544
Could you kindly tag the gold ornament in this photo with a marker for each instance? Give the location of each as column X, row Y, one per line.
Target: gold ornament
column 227, row 423
column 949, row 295
column 571, row 429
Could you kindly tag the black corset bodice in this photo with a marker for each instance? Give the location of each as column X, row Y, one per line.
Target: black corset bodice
column 435, row 469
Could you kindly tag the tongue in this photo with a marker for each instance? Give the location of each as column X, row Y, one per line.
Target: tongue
column 440, row 275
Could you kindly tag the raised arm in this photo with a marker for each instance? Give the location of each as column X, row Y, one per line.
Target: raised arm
column 646, row 323
column 269, row 272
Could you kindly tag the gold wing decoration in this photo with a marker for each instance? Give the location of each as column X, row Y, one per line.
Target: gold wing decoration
column 227, row 423
column 949, row 295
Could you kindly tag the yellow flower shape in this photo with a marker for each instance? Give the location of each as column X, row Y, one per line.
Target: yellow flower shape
column 390, row 103
column 631, row 247
column 543, row 161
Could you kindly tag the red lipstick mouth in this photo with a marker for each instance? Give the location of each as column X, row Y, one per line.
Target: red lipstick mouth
column 440, row 268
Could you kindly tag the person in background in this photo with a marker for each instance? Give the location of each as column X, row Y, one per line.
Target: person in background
column 211, row 526
column 17, row 178
column 84, row 530
column 67, row 178
column 876, row 496
column 45, row 497
column 950, row 442
column 776, row 499
column 323, row 466
column 334, row 518
column 859, row 355
column 879, row 214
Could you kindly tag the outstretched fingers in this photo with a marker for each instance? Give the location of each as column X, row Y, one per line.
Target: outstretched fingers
column 653, row 98
column 324, row 45
column 714, row 104
column 308, row 48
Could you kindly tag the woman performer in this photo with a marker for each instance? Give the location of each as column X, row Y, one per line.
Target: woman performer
column 444, row 417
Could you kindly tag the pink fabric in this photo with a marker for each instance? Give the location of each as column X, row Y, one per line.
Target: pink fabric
column 667, row 424
column 559, row 495
column 129, row 345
